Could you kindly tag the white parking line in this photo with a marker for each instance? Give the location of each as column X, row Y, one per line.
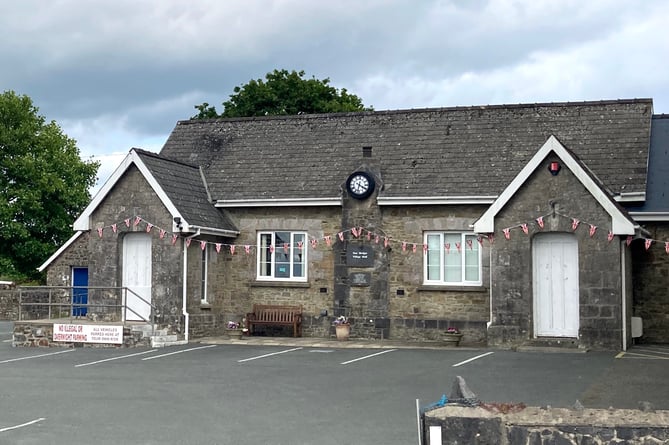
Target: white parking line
column 268, row 355
column 2, row 430
column 472, row 359
column 114, row 358
column 36, row 356
column 178, row 352
column 367, row 356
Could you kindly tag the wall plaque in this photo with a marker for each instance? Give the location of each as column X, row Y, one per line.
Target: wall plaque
column 360, row 256
column 361, row 279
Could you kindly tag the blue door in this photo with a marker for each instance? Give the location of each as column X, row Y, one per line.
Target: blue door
column 79, row 290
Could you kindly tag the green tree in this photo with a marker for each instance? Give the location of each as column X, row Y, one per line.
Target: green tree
column 284, row 93
column 43, row 187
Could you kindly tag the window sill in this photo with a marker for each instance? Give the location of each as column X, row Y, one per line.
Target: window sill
column 280, row 284
column 442, row 288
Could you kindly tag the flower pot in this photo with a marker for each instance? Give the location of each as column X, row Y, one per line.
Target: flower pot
column 234, row 333
column 343, row 331
column 452, row 339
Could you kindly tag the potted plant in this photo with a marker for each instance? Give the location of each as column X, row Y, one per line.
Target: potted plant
column 234, row 330
column 452, row 336
column 342, row 328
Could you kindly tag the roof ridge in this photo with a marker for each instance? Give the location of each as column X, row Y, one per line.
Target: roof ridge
column 419, row 110
column 151, row 154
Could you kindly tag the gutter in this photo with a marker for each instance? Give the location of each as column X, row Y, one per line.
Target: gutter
column 184, row 291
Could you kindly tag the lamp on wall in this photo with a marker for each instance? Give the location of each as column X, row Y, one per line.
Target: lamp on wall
column 554, row 167
column 177, row 222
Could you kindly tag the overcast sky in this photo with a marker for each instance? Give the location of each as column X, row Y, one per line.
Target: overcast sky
column 119, row 74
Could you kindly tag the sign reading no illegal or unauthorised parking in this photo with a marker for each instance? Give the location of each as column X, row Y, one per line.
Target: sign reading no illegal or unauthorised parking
column 86, row 333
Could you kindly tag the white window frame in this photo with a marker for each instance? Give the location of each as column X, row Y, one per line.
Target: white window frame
column 441, row 281
column 261, row 272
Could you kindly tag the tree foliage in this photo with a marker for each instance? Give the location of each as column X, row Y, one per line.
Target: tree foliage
column 43, row 186
column 284, row 93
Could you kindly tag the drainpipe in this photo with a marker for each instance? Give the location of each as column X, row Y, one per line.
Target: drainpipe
column 490, row 284
column 624, row 295
column 184, row 299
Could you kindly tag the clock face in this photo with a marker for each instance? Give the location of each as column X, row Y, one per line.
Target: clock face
column 360, row 185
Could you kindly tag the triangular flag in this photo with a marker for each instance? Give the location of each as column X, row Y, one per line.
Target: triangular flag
column 469, row 244
column 247, row 249
column 138, row 220
column 507, row 233
column 299, row 245
column 540, row 221
column 648, row 242
column 100, row 229
column 188, row 240
column 328, row 240
column 525, row 229
column 574, row 223
column 232, row 249
column 413, row 248
column 425, row 247
column 354, row 232
column 271, row 248
column 341, row 236
column 369, row 236
column 666, row 246
column 203, row 245
column 285, row 247
column 480, row 240
column 386, row 241
column 593, row 229
column 377, row 238
column 174, row 239
column 114, row 227
column 218, row 247
column 458, row 246
column 149, row 226
column 404, row 246
column 447, row 248
column 162, row 233
column 609, row 237
column 127, row 222
column 491, row 238
column 629, row 240
column 314, row 243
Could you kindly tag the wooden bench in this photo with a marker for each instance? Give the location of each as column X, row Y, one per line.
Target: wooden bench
column 275, row 315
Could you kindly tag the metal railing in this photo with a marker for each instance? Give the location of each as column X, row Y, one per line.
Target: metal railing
column 58, row 302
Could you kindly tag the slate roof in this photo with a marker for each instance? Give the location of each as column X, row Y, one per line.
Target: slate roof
column 657, row 192
column 460, row 151
column 183, row 185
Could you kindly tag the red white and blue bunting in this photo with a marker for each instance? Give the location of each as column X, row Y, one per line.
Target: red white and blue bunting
column 361, row 233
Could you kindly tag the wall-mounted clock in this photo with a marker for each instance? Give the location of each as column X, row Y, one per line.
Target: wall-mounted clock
column 360, row 185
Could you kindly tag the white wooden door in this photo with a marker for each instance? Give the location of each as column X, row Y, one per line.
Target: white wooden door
column 556, row 296
column 137, row 274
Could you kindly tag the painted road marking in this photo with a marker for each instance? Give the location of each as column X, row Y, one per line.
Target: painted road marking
column 323, row 351
column 113, row 358
column 472, row 359
column 645, row 353
column 267, row 355
column 653, row 351
column 650, row 356
column 2, row 430
column 620, row 355
column 35, row 356
column 368, row 356
column 178, row 352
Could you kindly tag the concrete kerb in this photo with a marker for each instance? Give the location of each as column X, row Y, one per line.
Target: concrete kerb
column 312, row 342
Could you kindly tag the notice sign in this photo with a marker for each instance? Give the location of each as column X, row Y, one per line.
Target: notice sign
column 360, row 256
column 87, row 333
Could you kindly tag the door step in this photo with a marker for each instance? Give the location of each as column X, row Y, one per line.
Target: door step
column 161, row 341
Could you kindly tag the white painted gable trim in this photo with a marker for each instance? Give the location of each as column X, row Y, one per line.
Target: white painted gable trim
column 621, row 225
column 60, row 250
column 84, row 220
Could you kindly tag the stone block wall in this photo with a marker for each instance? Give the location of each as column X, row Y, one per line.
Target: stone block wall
column 651, row 284
column 551, row 426
column 9, row 304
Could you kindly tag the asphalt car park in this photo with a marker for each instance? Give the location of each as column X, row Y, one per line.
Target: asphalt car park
column 243, row 394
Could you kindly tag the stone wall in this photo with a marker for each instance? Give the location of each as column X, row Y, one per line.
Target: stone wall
column 9, row 304
column 546, row 426
column 40, row 334
column 600, row 271
column 651, row 284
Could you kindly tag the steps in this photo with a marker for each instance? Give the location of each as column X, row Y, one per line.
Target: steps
column 159, row 338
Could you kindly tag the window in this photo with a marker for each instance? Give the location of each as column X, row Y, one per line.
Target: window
column 203, row 277
column 282, row 256
column 452, row 259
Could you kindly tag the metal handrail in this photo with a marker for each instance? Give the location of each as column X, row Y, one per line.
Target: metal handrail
column 71, row 304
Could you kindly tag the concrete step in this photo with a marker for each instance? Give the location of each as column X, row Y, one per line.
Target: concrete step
column 160, row 341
